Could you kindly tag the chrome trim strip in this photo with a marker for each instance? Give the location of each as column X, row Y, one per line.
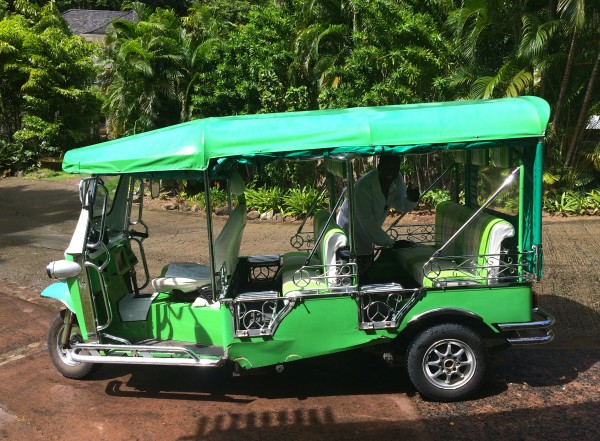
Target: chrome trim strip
column 532, row 340
column 442, row 311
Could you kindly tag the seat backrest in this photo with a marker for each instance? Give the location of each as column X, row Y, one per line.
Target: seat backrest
column 333, row 239
column 227, row 243
column 483, row 236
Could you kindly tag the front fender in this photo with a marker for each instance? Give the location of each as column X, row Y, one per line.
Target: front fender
column 60, row 292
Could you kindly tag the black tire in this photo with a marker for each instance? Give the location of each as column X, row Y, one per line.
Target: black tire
column 61, row 358
column 447, row 362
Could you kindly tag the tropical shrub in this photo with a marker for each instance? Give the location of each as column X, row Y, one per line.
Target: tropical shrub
column 566, row 203
column 265, row 199
column 48, row 99
column 218, row 198
column 297, row 201
column 434, row 197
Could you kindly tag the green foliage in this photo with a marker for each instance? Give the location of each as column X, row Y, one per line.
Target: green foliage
column 243, row 65
column 434, row 197
column 149, row 63
column 265, row 199
column 566, row 203
column 593, row 202
column 399, row 65
column 297, row 201
column 544, row 48
column 227, row 57
column 47, row 95
column 218, row 198
column 288, row 174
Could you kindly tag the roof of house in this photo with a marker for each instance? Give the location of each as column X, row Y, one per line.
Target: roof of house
column 94, row 22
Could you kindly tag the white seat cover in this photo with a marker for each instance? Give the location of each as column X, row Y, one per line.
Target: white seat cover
column 184, row 276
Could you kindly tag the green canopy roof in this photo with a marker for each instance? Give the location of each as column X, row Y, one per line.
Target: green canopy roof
column 363, row 130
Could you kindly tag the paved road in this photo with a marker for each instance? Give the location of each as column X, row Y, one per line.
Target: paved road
column 552, row 391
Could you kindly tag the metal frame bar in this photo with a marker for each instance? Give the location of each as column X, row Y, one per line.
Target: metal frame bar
column 399, row 218
column 544, row 325
column 141, row 354
column 323, row 231
column 470, row 264
column 209, row 229
column 505, row 184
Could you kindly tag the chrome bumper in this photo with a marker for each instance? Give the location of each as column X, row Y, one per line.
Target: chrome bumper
column 534, row 332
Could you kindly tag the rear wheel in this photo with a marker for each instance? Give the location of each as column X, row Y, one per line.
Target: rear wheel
column 447, row 362
column 61, row 356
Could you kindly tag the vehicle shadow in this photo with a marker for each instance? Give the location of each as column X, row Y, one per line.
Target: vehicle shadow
column 351, row 373
column 325, row 424
column 360, row 372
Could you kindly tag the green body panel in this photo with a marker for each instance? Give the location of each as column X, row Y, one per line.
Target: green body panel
column 320, row 326
column 316, row 326
column 76, row 304
column 493, row 305
column 179, row 321
column 369, row 130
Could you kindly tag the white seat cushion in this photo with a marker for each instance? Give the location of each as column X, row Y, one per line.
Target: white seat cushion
column 184, row 276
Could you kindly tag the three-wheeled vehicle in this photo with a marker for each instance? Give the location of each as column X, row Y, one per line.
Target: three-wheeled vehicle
column 465, row 284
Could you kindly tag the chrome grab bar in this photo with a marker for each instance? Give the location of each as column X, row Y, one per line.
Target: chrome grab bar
column 505, row 184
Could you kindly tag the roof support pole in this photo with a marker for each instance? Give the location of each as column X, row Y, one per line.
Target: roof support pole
column 350, row 186
column 211, row 253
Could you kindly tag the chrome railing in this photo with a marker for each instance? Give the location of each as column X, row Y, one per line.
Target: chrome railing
column 480, row 269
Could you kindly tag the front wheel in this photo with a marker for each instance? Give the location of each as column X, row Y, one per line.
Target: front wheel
column 60, row 356
column 446, row 362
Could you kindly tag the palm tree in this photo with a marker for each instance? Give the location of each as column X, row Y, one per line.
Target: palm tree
column 323, row 41
column 583, row 113
column 580, row 19
column 145, row 62
column 573, row 13
column 502, row 46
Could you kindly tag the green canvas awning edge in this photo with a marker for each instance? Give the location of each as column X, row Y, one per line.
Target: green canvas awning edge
column 362, row 130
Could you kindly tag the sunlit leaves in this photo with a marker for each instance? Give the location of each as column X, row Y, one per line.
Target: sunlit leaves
column 47, row 97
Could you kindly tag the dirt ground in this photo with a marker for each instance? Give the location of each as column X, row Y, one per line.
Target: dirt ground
column 531, row 393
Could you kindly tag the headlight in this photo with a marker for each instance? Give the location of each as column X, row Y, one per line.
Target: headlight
column 63, row 269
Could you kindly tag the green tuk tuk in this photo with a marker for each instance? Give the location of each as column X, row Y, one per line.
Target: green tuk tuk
column 466, row 283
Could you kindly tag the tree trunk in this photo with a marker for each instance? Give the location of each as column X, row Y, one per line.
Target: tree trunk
column 551, row 14
column 565, row 80
column 582, row 119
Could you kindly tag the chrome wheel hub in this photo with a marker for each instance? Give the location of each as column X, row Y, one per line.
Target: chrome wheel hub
column 449, row 364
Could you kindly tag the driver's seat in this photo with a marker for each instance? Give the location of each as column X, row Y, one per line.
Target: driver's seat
column 189, row 276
